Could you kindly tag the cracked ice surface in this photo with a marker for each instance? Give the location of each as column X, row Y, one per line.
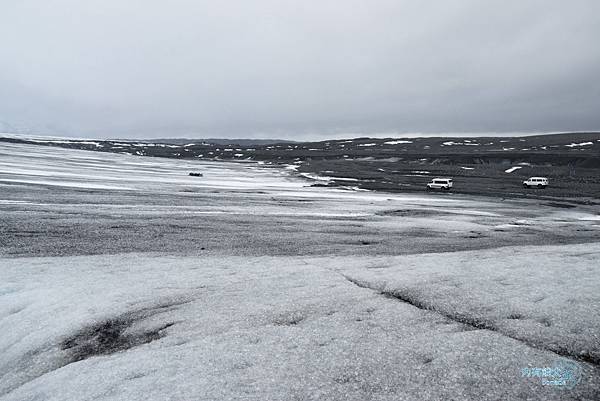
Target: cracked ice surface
column 545, row 296
column 255, row 328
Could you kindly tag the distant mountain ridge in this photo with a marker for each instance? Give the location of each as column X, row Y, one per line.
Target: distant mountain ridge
column 215, row 141
column 579, row 148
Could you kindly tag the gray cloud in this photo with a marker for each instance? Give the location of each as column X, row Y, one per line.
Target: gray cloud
column 295, row 68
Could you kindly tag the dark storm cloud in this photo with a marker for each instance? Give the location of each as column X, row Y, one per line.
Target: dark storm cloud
column 297, row 68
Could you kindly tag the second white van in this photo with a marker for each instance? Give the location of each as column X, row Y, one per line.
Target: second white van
column 535, row 182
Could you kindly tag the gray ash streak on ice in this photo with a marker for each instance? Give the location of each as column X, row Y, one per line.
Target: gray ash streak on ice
column 117, row 333
column 104, row 336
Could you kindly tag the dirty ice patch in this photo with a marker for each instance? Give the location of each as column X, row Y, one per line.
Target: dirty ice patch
column 510, row 170
column 315, row 177
column 591, row 217
column 283, row 214
column 83, row 185
column 358, row 189
column 15, row 202
column 396, row 142
column 466, row 143
column 574, row 145
column 343, row 179
column 326, row 178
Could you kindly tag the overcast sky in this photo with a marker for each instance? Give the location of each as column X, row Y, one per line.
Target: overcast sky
column 297, row 68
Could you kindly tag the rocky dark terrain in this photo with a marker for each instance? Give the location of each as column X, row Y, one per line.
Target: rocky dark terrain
column 493, row 166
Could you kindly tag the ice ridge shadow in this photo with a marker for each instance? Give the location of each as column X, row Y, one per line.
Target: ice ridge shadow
column 478, row 323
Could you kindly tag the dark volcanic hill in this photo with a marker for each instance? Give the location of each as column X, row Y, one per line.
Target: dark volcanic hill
column 214, row 141
column 559, row 149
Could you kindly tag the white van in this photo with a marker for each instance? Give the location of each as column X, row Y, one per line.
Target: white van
column 535, row 182
column 440, row 183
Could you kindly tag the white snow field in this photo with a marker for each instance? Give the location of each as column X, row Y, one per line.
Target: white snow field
column 123, row 278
